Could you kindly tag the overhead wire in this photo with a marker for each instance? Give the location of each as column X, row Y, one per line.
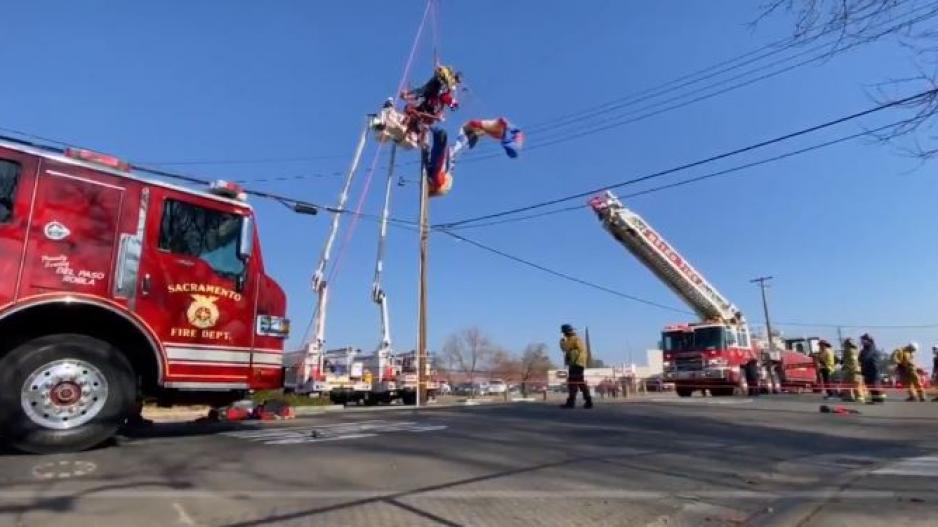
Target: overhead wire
column 710, row 175
column 593, row 285
column 706, row 73
column 692, row 164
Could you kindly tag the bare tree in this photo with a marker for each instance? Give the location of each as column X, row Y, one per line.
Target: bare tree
column 857, row 22
column 504, row 365
column 468, row 351
column 534, row 363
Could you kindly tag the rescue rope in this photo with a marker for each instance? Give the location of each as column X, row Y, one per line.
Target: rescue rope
column 369, row 175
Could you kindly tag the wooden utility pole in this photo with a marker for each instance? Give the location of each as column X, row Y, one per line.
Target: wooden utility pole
column 765, row 307
column 422, row 290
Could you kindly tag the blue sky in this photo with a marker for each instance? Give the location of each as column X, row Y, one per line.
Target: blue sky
column 847, row 231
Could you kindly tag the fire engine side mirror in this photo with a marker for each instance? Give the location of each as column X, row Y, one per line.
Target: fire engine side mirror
column 246, row 241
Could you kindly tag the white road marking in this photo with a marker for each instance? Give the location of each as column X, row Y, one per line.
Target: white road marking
column 701, row 400
column 563, row 494
column 923, row 466
column 330, row 432
column 184, row 517
column 63, row 469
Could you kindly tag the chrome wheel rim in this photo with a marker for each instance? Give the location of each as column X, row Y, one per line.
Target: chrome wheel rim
column 64, row 394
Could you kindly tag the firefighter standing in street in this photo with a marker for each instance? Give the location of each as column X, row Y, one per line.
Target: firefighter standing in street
column 870, row 368
column 576, row 359
column 850, row 373
column 934, row 371
column 905, row 366
column 825, row 360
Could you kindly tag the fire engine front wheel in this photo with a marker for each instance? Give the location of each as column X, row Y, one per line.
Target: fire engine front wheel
column 63, row 393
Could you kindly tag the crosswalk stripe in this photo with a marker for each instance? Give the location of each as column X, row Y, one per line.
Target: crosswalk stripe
column 923, row 466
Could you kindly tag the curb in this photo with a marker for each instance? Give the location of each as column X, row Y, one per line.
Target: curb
column 316, row 410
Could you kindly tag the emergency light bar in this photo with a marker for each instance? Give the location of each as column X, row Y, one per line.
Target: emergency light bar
column 228, row 189
column 97, row 158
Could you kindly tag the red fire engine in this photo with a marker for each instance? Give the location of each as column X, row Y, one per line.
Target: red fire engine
column 116, row 287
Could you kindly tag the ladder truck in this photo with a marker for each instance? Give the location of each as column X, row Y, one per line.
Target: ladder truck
column 710, row 354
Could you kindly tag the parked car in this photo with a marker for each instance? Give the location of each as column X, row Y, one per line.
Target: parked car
column 656, row 383
column 445, row 388
column 496, row 387
column 466, row 388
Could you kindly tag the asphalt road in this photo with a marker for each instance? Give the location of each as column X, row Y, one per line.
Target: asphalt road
column 655, row 461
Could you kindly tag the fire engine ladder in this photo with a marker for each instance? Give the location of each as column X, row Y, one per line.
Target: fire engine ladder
column 659, row 256
column 378, row 294
column 315, row 348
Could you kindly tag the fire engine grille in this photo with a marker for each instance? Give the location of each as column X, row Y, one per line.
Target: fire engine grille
column 688, row 363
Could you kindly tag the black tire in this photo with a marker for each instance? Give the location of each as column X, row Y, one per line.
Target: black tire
column 24, row 433
column 683, row 391
column 409, row 398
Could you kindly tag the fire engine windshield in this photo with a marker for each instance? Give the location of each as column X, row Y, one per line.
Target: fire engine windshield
column 207, row 234
column 708, row 338
column 9, row 173
column 676, row 340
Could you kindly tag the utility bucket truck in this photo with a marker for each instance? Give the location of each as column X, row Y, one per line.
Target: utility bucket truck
column 709, row 354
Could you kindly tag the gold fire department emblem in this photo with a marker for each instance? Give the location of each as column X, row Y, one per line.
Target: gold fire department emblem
column 202, row 312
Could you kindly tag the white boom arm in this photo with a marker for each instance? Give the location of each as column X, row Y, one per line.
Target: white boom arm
column 316, row 346
column 377, row 292
column 663, row 260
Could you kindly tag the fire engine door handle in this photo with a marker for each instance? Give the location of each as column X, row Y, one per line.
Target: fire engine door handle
column 145, row 287
column 187, row 263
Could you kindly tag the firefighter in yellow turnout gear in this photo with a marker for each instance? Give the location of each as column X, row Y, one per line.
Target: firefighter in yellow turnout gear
column 852, row 380
column 576, row 359
column 904, row 358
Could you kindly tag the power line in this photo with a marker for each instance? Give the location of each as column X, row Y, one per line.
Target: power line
column 696, row 179
column 679, row 168
column 772, row 48
column 562, row 275
column 590, row 127
column 257, row 161
column 680, row 100
column 634, row 298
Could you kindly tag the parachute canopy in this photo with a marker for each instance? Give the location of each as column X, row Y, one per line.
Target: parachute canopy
column 501, row 129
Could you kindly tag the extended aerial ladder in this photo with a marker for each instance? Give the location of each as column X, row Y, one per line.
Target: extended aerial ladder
column 664, row 261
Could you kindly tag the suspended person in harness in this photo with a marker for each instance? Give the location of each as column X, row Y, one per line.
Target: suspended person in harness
column 423, row 108
column 425, row 105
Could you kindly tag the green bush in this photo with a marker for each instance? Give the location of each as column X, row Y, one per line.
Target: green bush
column 291, row 398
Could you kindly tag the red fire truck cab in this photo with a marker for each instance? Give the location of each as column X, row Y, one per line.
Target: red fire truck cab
column 118, row 288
